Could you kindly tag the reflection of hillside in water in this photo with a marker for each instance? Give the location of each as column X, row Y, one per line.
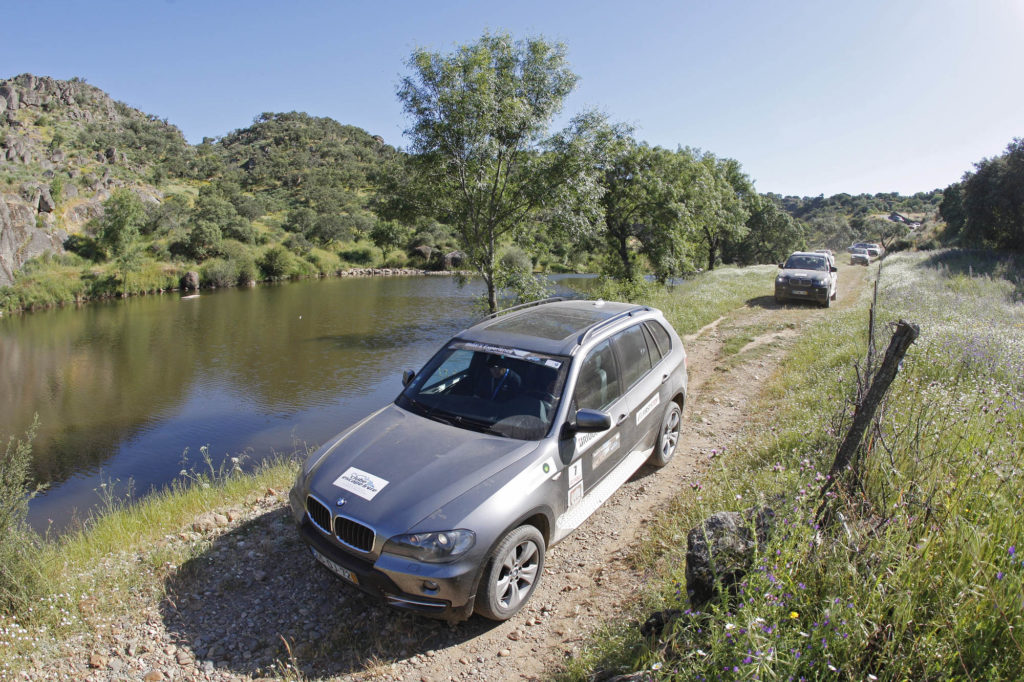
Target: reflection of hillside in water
column 105, row 378
column 90, row 375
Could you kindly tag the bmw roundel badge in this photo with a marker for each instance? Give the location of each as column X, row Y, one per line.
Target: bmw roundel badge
column 340, row 502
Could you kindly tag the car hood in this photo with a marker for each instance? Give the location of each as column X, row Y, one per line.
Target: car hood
column 395, row 468
column 804, row 274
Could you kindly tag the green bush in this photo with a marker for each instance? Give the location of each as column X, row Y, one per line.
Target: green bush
column 19, row 577
column 325, row 262
column 246, row 270
column 396, row 259
column 361, row 254
column 217, row 273
column 278, row 263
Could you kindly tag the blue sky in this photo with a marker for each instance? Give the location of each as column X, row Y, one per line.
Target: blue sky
column 810, row 97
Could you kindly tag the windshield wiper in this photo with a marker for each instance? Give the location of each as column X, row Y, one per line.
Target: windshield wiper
column 452, row 419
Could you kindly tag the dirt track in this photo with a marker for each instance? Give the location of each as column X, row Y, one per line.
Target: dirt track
column 254, row 598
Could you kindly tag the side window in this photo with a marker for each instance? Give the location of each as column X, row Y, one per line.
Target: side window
column 652, row 346
column 661, row 337
column 598, row 383
column 636, row 359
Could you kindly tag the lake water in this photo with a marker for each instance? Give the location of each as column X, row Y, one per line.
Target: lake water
column 129, row 392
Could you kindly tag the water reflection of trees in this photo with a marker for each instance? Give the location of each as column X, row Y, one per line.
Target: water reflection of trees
column 100, row 374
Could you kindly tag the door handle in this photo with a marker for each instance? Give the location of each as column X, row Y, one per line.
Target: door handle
column 664, row 378
column 621, row 419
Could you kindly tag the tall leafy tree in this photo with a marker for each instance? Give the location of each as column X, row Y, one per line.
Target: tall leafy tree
column 643, row 211
column 123, row 218
column 483, row 162
column 717, row 197
column 771, row 235
column 993, row 200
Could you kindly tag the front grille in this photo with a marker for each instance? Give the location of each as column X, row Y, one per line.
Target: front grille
column 353, row 534
column 802, row 282
column 318, row 514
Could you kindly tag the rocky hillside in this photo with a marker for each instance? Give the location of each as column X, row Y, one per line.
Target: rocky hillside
column 64, row 145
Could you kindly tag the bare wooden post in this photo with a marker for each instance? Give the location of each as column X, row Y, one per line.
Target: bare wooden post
column 902, row 338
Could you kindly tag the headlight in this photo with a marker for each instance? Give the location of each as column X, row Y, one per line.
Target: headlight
column 819, row 282
column 781, row 279
column 436, row 547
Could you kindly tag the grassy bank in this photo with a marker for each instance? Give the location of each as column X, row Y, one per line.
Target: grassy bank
column 120, row 558
column 53, row 280
column 923, row 580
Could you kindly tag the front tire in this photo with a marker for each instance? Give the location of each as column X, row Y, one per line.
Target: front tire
column 512, row 573
column 668, row 437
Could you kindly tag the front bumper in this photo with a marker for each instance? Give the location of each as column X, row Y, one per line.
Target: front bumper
column 801, row 292
column 401, row 582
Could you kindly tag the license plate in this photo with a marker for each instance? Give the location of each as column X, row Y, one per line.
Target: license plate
column 335, row 568
column 798, row 292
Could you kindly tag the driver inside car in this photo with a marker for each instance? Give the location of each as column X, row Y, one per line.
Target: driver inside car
column 499, row 382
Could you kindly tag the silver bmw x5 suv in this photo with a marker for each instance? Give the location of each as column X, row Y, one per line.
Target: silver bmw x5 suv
column 445, row 501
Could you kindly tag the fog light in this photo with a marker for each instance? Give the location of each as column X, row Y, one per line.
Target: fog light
column 430, row 586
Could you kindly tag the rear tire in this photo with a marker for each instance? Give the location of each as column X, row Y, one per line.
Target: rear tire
column 512, row 573
column 668, row 436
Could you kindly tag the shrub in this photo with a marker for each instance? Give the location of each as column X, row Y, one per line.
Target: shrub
column 324, row 261
column 246, row 270
column 217, row 272
column 18, row 576
column 396, row 259
column 204, row 240
column 357, row 254
column 298, row 245
column 277, row 263
column 241, row 230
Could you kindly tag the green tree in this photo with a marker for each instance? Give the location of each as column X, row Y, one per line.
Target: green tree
column 515, row 275
column 643, row 209
column 717, row 196
column 204, row 240
column 389, row 235
column 772, row 234
column 123, row 218
column 885, row 231
column 482, row 162
column 993, row 200
column 952, row 211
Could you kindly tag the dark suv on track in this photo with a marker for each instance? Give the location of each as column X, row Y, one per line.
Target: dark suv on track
column 445, row 501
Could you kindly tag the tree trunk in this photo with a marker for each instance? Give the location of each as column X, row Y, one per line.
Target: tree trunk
column 627, row 264
column 492, row 294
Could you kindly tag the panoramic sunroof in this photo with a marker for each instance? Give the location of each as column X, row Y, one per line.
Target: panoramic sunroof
column 554, row 324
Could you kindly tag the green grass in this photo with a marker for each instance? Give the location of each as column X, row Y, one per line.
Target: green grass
column 923, row 580
column 120, row 557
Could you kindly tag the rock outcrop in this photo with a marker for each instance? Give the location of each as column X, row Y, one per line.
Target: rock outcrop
column 37, row 219
column 20, row 239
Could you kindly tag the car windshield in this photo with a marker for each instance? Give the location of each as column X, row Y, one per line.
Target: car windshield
column 503, row 391
column 804, row 262
column 858, row 251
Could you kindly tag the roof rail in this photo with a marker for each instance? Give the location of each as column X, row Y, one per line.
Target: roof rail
column 529, row 304
column 611, row 320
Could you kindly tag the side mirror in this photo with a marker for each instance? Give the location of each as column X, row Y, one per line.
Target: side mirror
column 833, row 269
column 592, row 421
column 407, row 377
column 782, row 265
